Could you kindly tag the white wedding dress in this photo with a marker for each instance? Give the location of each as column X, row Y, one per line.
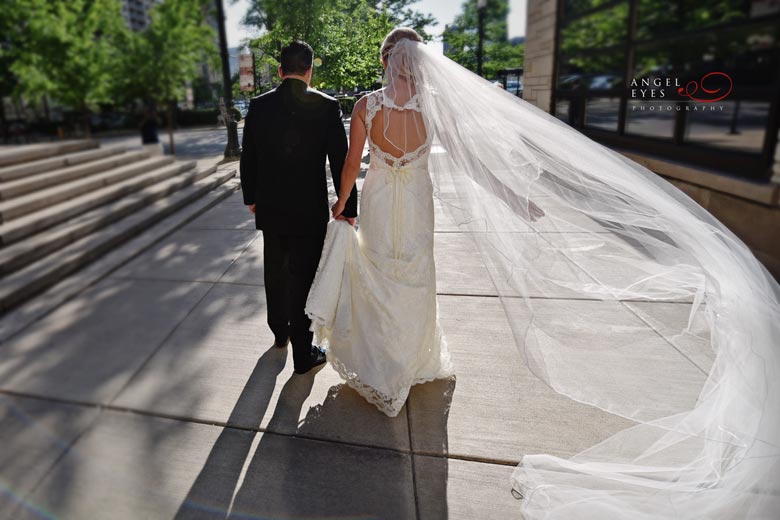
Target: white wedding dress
column 373, row 300
column 615, row 240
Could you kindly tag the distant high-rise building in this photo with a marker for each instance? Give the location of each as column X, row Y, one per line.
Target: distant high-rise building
column 136, row 13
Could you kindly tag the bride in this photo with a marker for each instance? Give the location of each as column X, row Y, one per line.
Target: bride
column 617, row 242
column 373, row 301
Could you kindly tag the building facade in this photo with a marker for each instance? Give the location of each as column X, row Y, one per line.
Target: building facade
column 689, row 89
column 136, row 13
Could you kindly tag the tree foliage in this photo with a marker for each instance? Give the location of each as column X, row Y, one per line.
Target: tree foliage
column 167, row 55
column 461, row 39
column 67, row 50
column 345, row 34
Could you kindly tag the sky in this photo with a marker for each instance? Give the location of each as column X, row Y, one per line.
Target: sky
column 443, row 10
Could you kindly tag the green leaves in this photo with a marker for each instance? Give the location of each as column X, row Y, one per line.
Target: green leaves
column 345, row 34
column 461, row 39
column 167, row 55
column 68, row 50
column 81, row 53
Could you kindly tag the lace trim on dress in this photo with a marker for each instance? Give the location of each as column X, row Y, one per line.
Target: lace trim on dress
column 373, row 104
column 392, row 405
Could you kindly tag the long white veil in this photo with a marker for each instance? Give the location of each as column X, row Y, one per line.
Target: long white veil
column 613, row 238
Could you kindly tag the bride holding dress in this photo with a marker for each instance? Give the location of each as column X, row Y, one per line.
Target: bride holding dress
column 373, row 301
column 615, row 236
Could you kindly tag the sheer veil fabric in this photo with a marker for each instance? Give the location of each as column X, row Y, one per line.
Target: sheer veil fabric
column 615, row 240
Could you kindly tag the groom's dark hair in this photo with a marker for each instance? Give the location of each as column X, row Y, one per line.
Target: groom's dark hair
column 297, row 58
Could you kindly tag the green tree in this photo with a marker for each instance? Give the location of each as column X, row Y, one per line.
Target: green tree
column 345, row 34
column 349, row 49
column 402, row 15
column 12, row 38
column 166, row 56
column 69, row 51
column 461, row 39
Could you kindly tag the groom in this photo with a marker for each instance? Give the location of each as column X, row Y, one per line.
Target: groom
column 287, row 135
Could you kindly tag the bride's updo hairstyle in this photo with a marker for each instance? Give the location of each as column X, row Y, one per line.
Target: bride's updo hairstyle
column 395, row 36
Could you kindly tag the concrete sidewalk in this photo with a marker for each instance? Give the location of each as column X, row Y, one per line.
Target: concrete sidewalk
column 156, row 393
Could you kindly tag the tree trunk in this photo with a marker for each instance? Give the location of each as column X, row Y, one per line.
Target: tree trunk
column 170, row 127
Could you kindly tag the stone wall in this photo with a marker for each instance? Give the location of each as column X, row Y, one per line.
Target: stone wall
column 539, row 53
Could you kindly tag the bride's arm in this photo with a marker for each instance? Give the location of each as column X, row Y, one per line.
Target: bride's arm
column 357, row 140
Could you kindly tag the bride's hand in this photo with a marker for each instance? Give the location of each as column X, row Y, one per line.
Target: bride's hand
column 338, row 208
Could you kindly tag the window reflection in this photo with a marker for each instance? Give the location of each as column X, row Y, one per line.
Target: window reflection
column 574, row 7
column 733, row 44
column 562, row 110
column 650, row 119
column 657, row 17
column 740, row 125
column 748, row 54
column 604, row 28
column 602, row 113
column 591, row 71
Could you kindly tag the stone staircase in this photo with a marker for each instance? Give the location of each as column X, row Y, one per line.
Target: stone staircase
column 63, row 205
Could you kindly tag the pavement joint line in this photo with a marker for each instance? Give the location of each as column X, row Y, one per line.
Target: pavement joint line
column 222, row 424
column 228, row 186
column 529, row 232
column 171, row 280
column 411, row 449
column 170, row 334
column 167, row 280
column 622, row 303
column 666, row 340
column 197, row 228
column 61, row 456
column 481, row 295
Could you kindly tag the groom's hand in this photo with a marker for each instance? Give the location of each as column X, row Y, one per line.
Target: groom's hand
column 251, row 208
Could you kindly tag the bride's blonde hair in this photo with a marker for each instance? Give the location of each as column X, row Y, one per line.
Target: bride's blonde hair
column 395, row 36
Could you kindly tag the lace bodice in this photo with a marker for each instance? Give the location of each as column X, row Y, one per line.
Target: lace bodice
column 374, row 102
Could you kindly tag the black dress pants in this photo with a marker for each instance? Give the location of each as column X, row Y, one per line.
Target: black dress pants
column 290, row 263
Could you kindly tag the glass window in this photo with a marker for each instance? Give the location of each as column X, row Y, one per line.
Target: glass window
column 602, row 113
column 657, row 17
column 737, row 125
column 600, row 71
column 574, row 7
column 650, row 119
column 562, row 109
column 748, row 54
column 605, row 28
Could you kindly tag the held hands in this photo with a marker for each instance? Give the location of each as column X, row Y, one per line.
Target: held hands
column 251, row 208
column 338, row 209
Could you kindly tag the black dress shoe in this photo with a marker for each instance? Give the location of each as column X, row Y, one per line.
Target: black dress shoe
column 281, row 343
column 318, row 358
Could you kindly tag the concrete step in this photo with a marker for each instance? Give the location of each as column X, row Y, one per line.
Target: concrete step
column 54, row 214
column 26, row 204
column 115, row 158
column 22, row 253
column 32, row 152
column 26, row 169
column 36, row 277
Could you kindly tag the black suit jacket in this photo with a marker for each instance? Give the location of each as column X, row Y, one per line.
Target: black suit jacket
column 288, row 132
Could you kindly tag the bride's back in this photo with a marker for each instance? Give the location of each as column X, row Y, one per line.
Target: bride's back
column 395, row 123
